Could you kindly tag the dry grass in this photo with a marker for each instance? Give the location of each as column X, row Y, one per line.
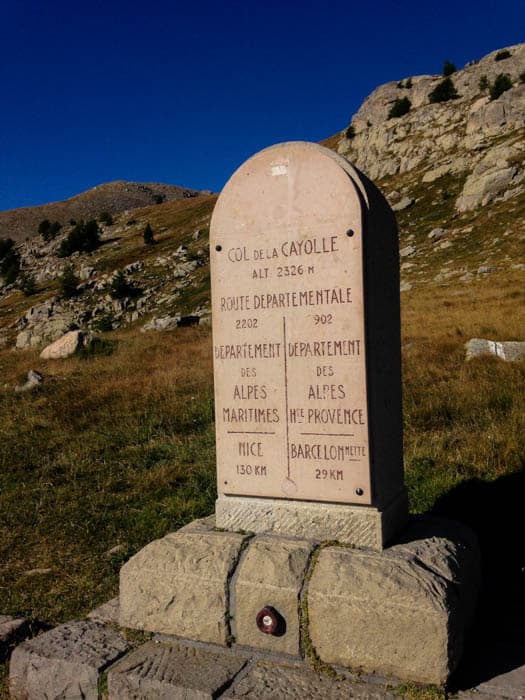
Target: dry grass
column 112, row 450
column 120, row 449
column 462, row 420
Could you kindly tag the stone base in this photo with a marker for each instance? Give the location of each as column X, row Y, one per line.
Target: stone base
column 359, row 526
column 65, row 662
column 400, row 612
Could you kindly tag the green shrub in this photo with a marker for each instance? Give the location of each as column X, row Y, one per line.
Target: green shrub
column 121, row 287
column 443, row 92
column 104, row 324
column 85, row 237
column 408, row 83
column 68, row 283
column 96, row 347
column 149, row 238
column 158, row 198
column 350, row 132
column 400, row 107
column 106, row 218
column 502, row 55
column 43, row 226
column 522, row 77
column 501, row 84
column 27, row 284
column 9, row 260
column 448, row 69
column 48, row 230
column 483, row 83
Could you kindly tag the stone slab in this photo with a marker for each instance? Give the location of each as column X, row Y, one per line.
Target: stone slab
column 12, row 631
column 510, row 350
column 64, row 663
column 165, row 671
column 271, row 573
column 107, row 613
column 348, row 524
column 402, row 612
column 265, row 681
column 179, row 584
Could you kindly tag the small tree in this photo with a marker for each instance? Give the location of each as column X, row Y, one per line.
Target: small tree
column 85, row 238
column 27, row 284
column 522, row 77
column 43, row 227
column 121, row 287
column 9, row 260
column 408, row 83
column 483, row 83
column 68, row 282
column 149, row 238
column 448, row 69
column 350, row 132
column 502, row 55
column 501, row 84
column 443, row 92
column 106, row 218
column 158, row 198
column 400, row 107
column 49, row 230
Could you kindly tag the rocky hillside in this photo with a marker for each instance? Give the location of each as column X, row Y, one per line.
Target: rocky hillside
column 123, row 282
column 112, row 197
column 453, row 171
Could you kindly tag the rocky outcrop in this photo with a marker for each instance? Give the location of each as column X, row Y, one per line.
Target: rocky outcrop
column 472, row 134
column 65, row 346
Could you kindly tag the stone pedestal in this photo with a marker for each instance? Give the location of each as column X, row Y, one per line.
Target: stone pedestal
column 401, row 612
column 358, row 526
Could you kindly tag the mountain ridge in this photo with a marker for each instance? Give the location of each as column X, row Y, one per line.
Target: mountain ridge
column 113, row 197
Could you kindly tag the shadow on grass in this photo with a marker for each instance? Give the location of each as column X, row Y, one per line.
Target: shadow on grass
column 495, row 511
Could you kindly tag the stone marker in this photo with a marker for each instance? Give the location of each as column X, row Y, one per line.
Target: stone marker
column 305, row 290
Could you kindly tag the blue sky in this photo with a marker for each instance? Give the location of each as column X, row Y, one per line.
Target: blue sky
column 184, row 92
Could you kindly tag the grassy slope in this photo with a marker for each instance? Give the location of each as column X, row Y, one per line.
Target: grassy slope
column 119, row 449
column 132, row 456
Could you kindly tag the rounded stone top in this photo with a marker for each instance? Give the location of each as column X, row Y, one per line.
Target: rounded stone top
column 288, row 184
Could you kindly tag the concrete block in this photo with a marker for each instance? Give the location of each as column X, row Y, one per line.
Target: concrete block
column 354, row 525
column 265, row 681
column 12, row 631
column 271, row 573
column 64, row 663
column 165, row 671
column 179, row 584
column 401, row 612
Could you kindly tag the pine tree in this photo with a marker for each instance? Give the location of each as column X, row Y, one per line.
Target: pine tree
column 68, row 282
column 149, row 239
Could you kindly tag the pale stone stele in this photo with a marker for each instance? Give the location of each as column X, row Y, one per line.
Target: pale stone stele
column 309, row 552
column 305, row 304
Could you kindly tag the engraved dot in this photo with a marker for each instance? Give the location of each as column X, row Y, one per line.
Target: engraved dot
column 359, row 492
column 218, row 248
column 350, row 233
